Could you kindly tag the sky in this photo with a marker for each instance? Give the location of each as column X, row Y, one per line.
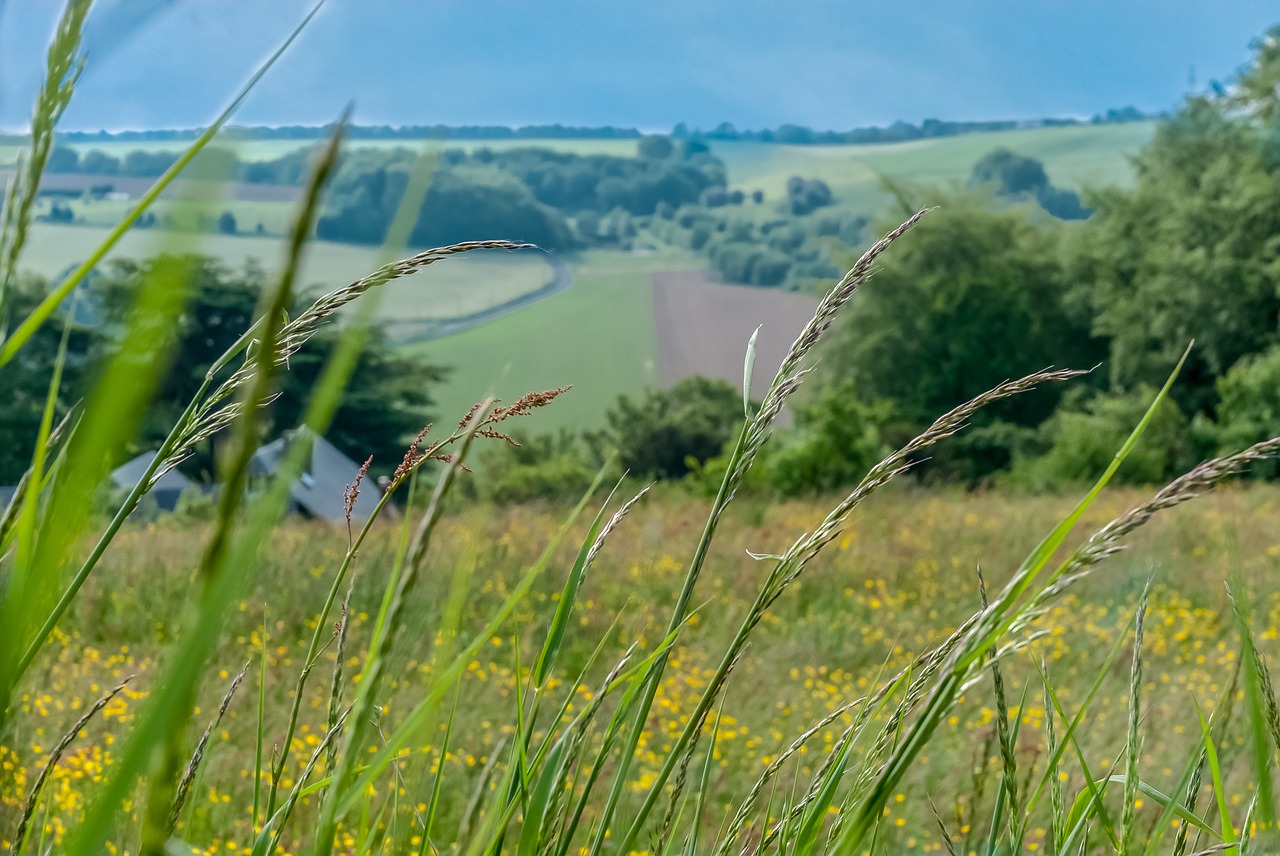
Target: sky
column 829, row 64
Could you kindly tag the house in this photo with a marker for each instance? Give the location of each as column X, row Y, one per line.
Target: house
column 165, row 492
column 320, row 492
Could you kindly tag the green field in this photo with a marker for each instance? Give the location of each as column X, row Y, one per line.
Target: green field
column 597, row 336
column 448, row 289
column 275, row 217
column 892, row 586
column 1076, row 158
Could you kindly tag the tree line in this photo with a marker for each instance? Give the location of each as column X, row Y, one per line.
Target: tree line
column 988, row 287
column 786, row 133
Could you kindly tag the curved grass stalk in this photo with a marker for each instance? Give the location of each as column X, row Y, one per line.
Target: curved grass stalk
column 63, row 67
column 28, row 811
column 790, row 565
column 10, row 346
column 755, row 432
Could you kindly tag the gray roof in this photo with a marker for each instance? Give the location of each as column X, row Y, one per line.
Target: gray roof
column 127, row 474
column 321, row 489
column 166, row 491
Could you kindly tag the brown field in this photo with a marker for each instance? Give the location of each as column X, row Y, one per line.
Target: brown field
column 703, row 327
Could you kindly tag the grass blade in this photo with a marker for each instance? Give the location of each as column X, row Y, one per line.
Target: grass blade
column 41, row 313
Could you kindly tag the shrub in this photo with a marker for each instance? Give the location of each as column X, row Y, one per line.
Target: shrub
column 1082, row 437
column 833, row 445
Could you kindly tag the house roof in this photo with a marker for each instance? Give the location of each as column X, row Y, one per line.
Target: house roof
column 321, row 489
column 127, row 474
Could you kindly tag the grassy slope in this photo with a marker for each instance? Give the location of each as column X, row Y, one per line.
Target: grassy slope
column 451, row 288
column 607, row 314
column 1074, row 157
column 597, row 336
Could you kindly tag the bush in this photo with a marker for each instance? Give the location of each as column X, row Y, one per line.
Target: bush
column 833, row 445
column 1249, row 406
column 667, row 432
column 1082, row 438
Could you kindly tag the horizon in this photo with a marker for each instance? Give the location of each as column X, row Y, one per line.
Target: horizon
column 693, row 130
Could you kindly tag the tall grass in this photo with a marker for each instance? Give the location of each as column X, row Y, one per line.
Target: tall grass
column 566, row 779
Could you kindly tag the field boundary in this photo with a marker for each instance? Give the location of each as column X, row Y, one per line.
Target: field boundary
column 561, row 279
column 703, row 325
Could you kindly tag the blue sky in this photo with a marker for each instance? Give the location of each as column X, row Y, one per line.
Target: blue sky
column 756, row 63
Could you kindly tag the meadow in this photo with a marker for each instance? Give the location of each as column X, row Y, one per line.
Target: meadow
column 888, row 669
column 895, row 583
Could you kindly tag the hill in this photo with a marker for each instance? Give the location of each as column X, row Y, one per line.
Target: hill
column 608, row 311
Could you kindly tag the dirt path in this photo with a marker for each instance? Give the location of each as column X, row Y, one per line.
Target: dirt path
column 703, row 327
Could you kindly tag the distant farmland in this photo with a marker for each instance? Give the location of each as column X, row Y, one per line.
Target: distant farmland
column 612, row 331
column 703, row 327
column 454, row 287
column 1075, row 157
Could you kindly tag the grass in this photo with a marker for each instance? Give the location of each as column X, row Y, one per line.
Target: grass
column 883, row 593
column 607, row 313
column 592, row 724
column 643, row 683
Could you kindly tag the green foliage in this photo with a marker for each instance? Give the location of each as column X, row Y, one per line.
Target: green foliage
column 833, row 445
column 667, row 431
column 1192, row 252
column 462, row 200
column 386, row 403
column 655, row 147
column 26, row 380
column 1081, row 438
column 545, row 467
column 805, row 195
column 976, row 297
column 1016, row 176
column 1249, row 405
column 1257, row 86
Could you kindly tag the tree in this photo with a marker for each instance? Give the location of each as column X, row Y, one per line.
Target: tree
column 463, row 203
column 1011, row 173
column 62, row 159
column 26, row 379
column 98, row 162
column 976, row 296
column 1083, row 435
column 1189, row 252
column 1014, row 176
column 804, row 196
column 384, row 405
column 659, row 435
column 227, row 223
column 655, row 147
column 1257, row 86
column 1248, row 409
column 146, row 164
column 833, row 445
